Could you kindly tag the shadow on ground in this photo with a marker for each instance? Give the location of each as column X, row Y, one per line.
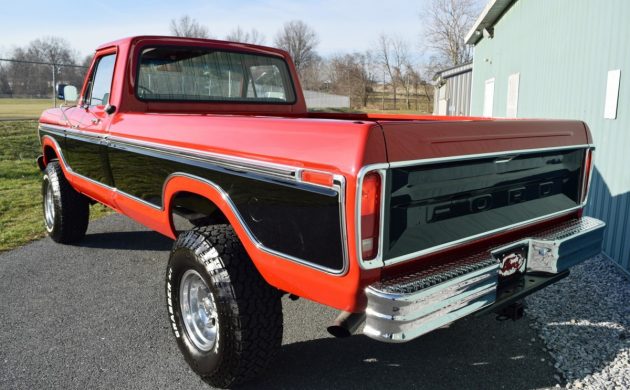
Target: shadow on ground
column 476, row 353
column 96, row 318
column 133, row 241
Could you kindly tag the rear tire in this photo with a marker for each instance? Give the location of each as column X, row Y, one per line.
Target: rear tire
column 66, row 212
column 227, row 320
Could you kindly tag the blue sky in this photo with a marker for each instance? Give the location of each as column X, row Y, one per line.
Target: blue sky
column 343, row 26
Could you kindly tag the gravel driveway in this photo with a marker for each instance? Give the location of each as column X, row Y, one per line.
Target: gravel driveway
column 584, row 320
column 92, row 316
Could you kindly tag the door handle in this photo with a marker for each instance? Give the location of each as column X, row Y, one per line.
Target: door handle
column 95, row 121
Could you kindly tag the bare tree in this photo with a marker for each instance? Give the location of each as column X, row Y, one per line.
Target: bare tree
column 37, row 80
column 87, row 60
column 186, row 26
column 312, row 75
column 5, row 87
column 300, row 40
column 239, row 35
column 447, row 23
column 393, row 54
column 410, row 79
column 352, row 75
column 428, row 93
column 52, row 49
column 344, row 72
column 367, row 75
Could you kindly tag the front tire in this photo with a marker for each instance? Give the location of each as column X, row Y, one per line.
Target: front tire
column 227, row 320
column 66, row 212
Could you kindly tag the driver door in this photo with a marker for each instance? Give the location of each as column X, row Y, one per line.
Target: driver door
column 86, row 149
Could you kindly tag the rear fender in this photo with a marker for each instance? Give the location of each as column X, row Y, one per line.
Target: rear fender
column 284, row 274
column 182, row 182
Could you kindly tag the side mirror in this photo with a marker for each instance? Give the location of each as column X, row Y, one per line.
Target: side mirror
column 60, row 94
column 70, row 93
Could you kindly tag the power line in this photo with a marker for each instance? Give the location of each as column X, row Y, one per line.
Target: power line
column 54, row 67
column 43, row 63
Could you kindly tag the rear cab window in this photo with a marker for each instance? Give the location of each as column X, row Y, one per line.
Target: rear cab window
column 197, row 74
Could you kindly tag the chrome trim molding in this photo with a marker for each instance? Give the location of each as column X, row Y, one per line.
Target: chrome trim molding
column 250, row 234
column 235, row 163
column 98, row 183
column 451, row 244
column 52, row 128
column 339, row 183
column 377, row 262
column 339, row 186
column 408, row 306
column 380, row 262
column 232, row 162
column 587, row 183
column 426, row 161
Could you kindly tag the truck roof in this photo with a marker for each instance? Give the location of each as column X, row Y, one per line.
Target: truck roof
column 123, row 95
column 128, row 41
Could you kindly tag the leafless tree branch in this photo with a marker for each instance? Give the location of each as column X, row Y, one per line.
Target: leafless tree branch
column 300, row 40
column 447, row 23
column 186, row 26
column 239, row 35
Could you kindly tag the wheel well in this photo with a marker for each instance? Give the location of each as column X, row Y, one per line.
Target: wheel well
column 49, row 154
column 196, row 210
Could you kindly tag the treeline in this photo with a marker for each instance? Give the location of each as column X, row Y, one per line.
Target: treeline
column 29, row 75
column 371, row 78
column 387, row 76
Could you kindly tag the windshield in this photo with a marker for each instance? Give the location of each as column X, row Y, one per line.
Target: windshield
column 210, row 75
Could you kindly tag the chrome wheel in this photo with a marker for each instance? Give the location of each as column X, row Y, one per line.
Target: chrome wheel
column 199, row 310
column 49, row 207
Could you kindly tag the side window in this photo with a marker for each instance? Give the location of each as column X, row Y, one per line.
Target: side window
column 101, row 81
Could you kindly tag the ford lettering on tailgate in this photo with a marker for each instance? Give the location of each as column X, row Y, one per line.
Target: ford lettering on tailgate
column 435, row 204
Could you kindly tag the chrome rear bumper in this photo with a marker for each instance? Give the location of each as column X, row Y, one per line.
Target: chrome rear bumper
column 406, row 307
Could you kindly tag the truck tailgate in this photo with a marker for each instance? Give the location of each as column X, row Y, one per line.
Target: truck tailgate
column 452, row 182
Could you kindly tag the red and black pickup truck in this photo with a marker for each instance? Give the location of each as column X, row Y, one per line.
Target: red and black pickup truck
column 404, row 223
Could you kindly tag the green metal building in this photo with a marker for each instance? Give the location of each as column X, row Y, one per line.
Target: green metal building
column 565, row 59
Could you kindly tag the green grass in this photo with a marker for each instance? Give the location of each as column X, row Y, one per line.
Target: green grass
column 23, row 108
column 21, row 217
column 369, row 110
column 397, row 111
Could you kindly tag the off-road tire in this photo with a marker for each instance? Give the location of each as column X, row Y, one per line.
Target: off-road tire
column 71, row 210
column 249, row 310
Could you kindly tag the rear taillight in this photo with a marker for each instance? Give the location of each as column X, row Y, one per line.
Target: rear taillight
column 588, row 170
column 370, row 215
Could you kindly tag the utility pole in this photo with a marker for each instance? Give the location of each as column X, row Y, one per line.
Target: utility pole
column 383, row 93
column 55, row 68
column 54, row 84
